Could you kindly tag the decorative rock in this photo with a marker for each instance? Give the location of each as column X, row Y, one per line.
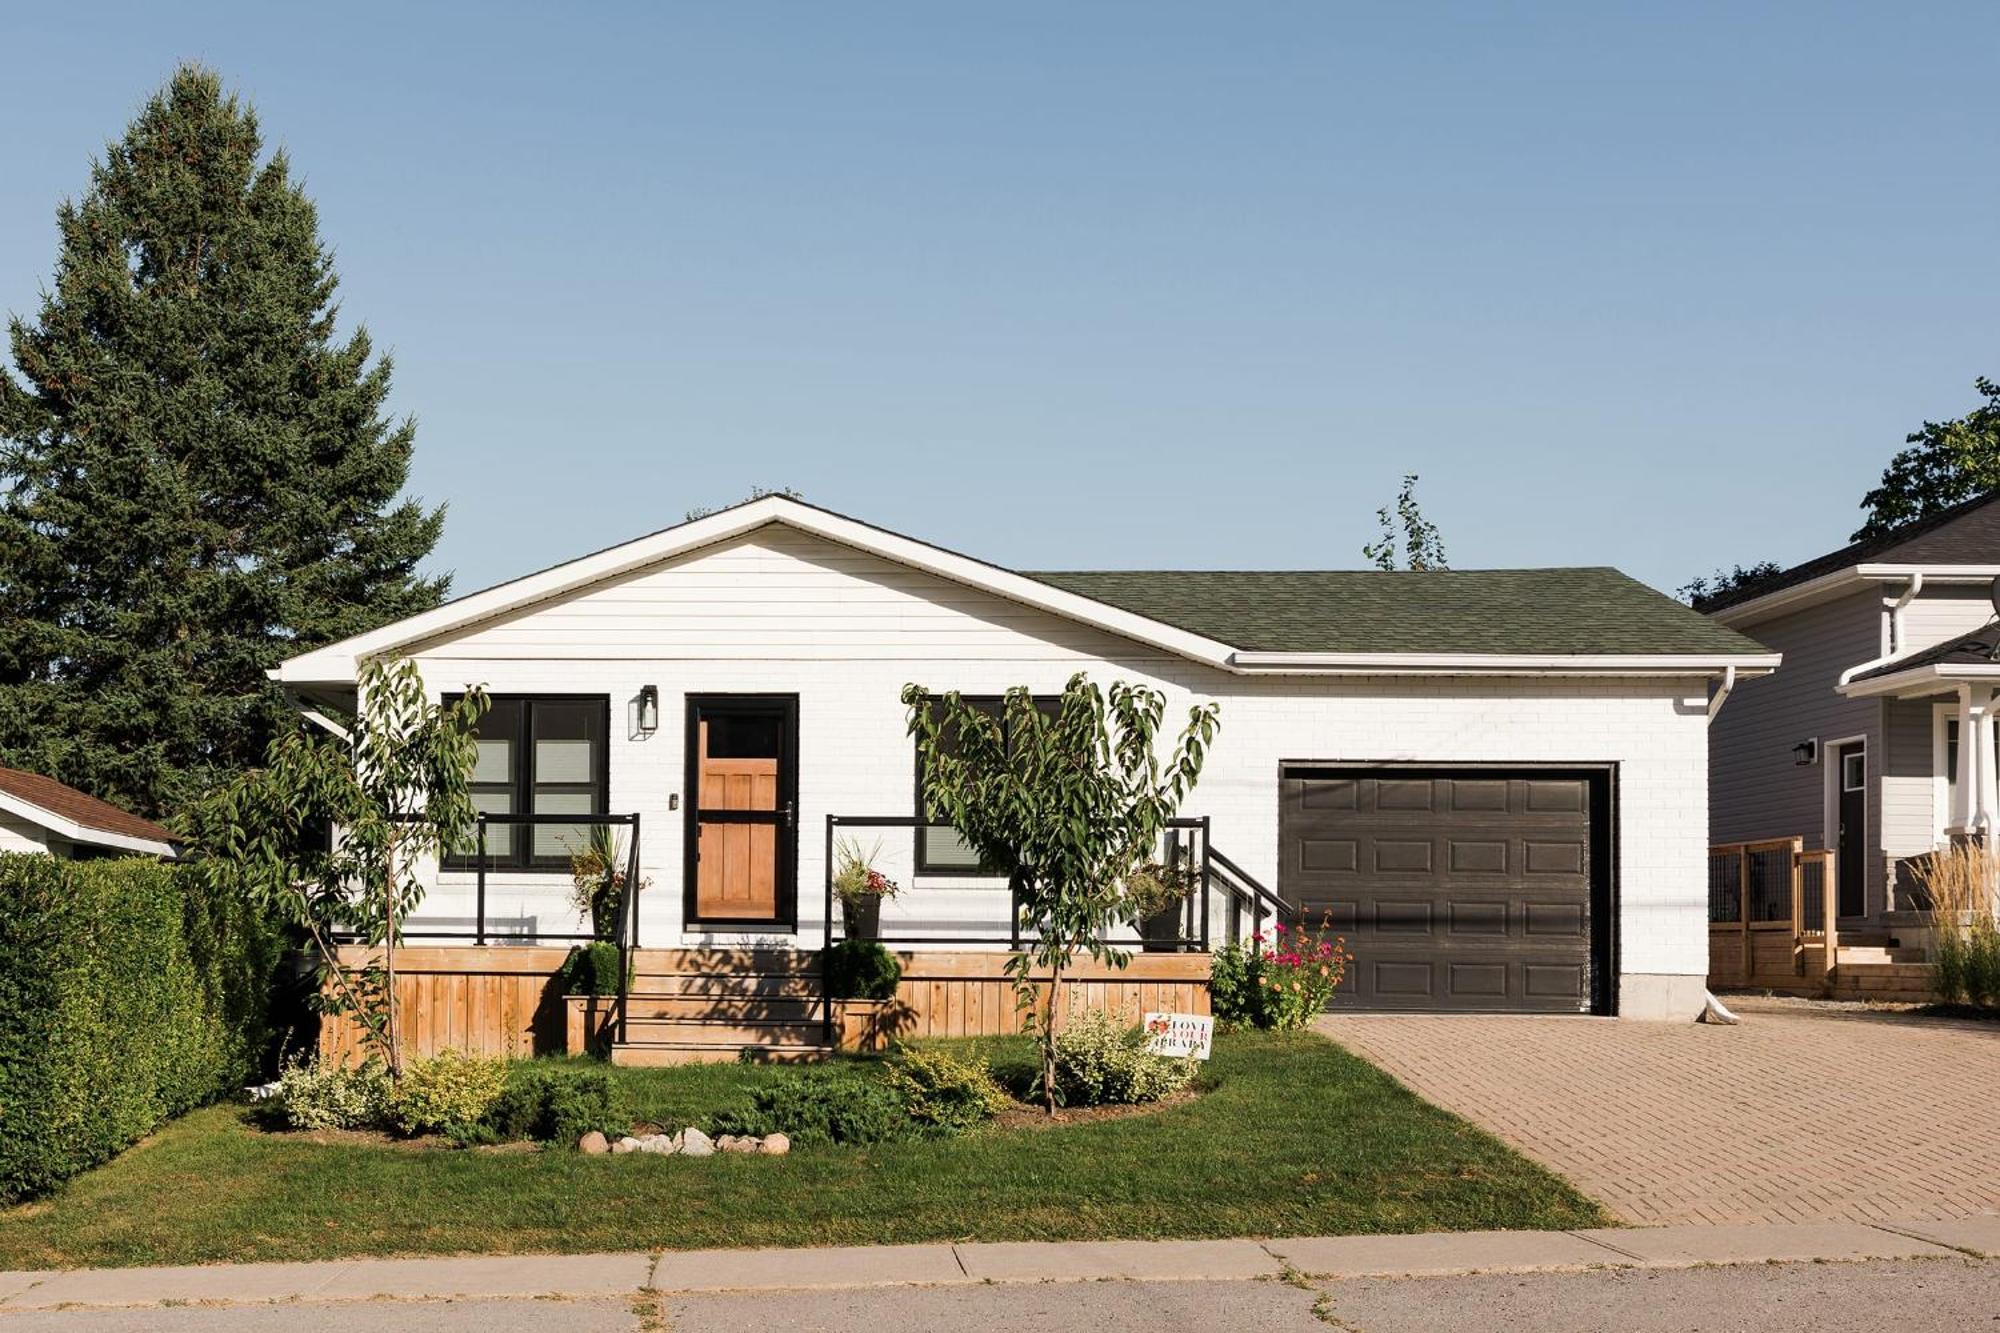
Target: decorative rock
column 694, row 1143
column 739, row 1143
column 775, row 1145
column 593, row 1144
column 625, row 1145
column 659, row 1143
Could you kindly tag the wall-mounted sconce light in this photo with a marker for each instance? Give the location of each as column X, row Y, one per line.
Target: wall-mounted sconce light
column 649, row 709
column 1806, row 753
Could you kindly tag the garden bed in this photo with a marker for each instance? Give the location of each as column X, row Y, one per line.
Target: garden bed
column 1293, row 1136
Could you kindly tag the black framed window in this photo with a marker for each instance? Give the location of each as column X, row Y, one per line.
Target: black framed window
column 940, row 849
column 540, row 755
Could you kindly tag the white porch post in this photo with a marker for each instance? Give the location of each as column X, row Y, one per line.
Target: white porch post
column 1989, row 790
column 1965, row 791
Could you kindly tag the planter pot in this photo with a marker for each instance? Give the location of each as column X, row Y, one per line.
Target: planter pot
column 1163, row 929
column 866, row 1027
column 588, row 1025
column 863, row 917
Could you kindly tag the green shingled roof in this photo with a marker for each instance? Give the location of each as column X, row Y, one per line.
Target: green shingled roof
column 1565, row 611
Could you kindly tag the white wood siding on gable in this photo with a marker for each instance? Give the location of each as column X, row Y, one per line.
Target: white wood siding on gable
column 1942, row 613
column 782, row 612
column 19, row 835
column 782, row 593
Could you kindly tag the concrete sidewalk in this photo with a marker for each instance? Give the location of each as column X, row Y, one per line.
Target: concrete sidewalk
column 1434, row 1254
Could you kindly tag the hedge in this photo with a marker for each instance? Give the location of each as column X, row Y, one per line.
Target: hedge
column 129, row 993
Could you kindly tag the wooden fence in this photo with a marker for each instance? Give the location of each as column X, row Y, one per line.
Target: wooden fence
column 1772, row 916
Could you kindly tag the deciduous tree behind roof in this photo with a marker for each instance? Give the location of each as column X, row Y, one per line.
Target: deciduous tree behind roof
column 200, row 476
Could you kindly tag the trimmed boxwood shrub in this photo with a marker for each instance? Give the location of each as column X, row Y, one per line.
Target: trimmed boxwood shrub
column 861, row 970
column 129, row 993
column 591, row 969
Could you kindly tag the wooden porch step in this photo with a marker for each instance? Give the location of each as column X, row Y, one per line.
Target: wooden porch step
column 724, row 986
column 736, row 1034
column 724, row 961
column 659, row 1054
column 1879, row 956
column 784, row 1007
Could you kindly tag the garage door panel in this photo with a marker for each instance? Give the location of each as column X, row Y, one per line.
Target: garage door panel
column 1454, row 892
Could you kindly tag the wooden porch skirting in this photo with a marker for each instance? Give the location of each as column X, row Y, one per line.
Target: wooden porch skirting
column 507, row 1000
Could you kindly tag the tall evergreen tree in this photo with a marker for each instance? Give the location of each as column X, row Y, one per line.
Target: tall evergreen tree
column 199, row 476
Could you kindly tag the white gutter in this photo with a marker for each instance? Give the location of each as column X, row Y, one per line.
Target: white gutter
column 1517, row 664
column 1846, row 580
column 1722, row 694
column 1892, row 631
column 1937, row 674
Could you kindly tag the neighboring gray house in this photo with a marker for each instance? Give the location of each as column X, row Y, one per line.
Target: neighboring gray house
column 1853, row 744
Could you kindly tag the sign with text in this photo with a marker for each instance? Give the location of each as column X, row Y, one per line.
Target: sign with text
column 1188, row 1036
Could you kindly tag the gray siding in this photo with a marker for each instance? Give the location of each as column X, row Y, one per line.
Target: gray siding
column 1755, row 789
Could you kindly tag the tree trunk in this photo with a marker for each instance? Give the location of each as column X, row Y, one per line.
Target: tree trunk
column 1049, row 1037
column 391, row 1037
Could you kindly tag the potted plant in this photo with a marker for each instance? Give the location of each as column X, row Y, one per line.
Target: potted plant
column 1155, row 895
column 861, row 888
column 597, row 872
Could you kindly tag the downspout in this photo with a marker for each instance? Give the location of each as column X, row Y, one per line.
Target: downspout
column 1897, row 642
column 1728, row 684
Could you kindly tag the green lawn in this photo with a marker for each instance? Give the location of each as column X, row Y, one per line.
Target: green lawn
column 1295, row 1136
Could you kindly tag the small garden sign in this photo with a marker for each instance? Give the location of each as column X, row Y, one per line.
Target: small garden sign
column 1186, row 1035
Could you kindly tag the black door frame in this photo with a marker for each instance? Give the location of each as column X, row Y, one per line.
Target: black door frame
column 786, row 915
column 1605, row 870
column 1846, row 865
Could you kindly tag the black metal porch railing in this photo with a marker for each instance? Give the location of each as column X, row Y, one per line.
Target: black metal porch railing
column 1187, row 844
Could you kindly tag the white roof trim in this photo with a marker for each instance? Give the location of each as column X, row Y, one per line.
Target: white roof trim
column 1927, row 679
column 64, row 827
column 1555, row 664
column 339, row 662
column 1849, row 579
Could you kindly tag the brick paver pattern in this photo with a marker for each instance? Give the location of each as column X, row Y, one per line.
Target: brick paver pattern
column 1792, row 1116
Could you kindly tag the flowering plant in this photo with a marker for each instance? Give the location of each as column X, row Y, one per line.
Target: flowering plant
column 1283, row 980
column 855, row 878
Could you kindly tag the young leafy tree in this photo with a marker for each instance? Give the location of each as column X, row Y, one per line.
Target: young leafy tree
column 396, row 790
column 1066, row 806
column 1946, row 462
column 1422, row 547
column 1702, row 589
column 197, row 476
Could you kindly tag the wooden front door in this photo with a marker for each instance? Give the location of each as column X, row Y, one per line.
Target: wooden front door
column 742, row 809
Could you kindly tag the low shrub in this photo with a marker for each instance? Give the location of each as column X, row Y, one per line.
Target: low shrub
column 554, row 1102
column 821, row 1107
column 450, row 1093
column 1231, row 1001
column 1100, row 1060
column 1968, row 964
column 591, row 969
column 130, row 991
column 943, row 1091
column 861, row 970
column 320, row 1096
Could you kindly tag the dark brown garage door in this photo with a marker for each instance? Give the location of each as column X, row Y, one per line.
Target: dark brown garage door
column 1455, row 890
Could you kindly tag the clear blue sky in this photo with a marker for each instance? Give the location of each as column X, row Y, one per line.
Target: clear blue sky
column 1116, row 284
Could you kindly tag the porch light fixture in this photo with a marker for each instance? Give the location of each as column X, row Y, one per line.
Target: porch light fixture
column 1806, row 753
column 649, row 709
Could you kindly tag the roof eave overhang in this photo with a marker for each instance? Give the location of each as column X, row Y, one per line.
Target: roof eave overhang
column 1504, row 664
column 1840, row 582
column 65, row 827
column 339, row 663
column 1916, row 682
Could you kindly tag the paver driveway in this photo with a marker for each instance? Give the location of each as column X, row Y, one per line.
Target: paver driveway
column 1795, row 1115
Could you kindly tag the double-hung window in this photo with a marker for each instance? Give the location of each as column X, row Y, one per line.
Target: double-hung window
column 940, row 849
column 540, row 755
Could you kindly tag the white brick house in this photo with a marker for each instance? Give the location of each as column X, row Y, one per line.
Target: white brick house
column 1494, row 781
